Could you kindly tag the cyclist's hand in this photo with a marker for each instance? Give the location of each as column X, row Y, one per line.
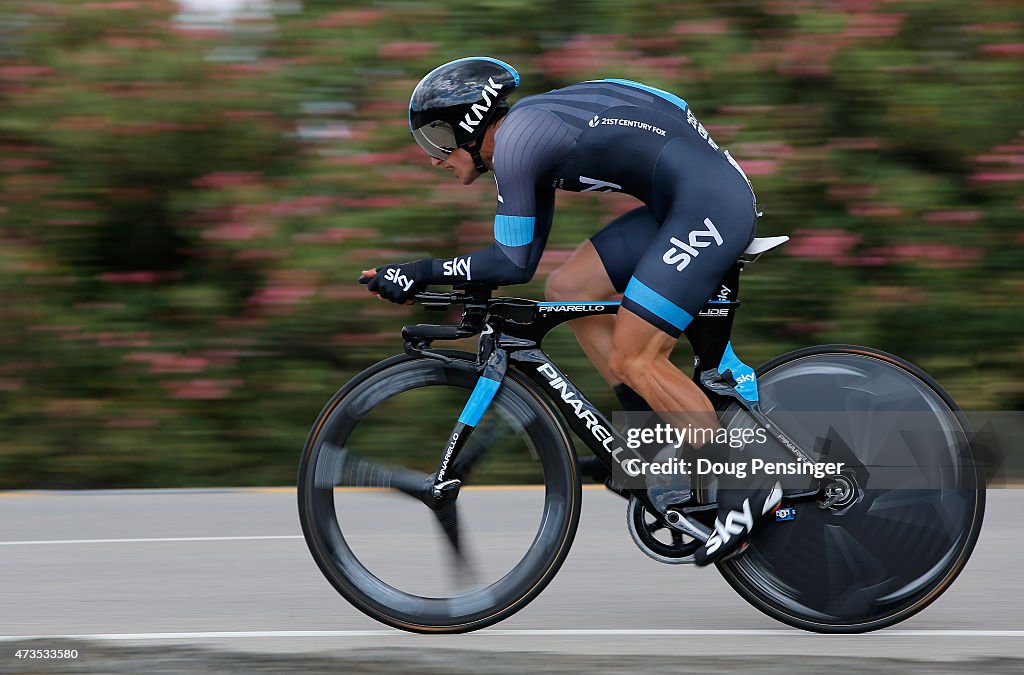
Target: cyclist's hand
column 364, row 278
column 397, row 283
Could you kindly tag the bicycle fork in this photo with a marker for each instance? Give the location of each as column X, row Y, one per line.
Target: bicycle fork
column 479, row 401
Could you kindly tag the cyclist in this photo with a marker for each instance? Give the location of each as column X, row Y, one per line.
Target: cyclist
column 665, row 257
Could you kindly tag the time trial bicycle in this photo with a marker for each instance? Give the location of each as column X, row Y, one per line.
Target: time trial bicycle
column 383, row 474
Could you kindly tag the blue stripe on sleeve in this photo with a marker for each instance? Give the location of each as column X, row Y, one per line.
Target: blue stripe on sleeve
column 642, row 295
column 514, row 230
column 668, row 96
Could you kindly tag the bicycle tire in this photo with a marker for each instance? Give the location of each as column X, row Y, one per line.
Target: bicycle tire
column 751, row 575
column 481, row 608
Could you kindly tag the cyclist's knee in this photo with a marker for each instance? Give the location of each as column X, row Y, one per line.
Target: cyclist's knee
column 564, row 285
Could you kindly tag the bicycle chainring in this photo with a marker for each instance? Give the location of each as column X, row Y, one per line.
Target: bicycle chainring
column 656, row 539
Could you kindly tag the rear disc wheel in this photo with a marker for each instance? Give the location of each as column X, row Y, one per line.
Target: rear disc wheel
column 895, row 542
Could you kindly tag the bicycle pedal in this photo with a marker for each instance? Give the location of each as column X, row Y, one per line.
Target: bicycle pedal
column 663, row 501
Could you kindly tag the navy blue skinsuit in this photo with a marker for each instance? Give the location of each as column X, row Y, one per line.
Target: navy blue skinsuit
column 617, row 136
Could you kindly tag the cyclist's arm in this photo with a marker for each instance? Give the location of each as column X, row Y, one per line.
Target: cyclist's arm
column 527, row 145
column 508, row 260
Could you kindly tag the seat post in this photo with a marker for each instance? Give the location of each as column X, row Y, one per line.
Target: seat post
column 710, row 330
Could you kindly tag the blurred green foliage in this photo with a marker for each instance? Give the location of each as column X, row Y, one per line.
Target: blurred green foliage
column 185, row 204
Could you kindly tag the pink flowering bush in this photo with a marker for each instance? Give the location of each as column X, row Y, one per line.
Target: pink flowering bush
column 185, row 208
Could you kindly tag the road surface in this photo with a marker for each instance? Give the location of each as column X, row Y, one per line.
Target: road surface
column 221, row 580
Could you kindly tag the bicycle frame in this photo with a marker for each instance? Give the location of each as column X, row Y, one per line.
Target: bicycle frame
column 511, row 331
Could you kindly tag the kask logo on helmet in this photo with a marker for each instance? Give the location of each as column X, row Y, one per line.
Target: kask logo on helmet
column 490, row 94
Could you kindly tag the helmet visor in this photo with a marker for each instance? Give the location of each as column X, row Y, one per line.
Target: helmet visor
column 436, row 138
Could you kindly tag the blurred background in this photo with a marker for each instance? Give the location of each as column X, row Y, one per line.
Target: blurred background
column 188, row 191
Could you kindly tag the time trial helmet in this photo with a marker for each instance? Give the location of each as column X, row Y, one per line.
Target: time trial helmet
column 455, row 103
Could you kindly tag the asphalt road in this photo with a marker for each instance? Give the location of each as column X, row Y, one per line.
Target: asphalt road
column 222, row 581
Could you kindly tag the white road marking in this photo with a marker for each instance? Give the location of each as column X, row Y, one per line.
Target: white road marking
column 624, row 632
column 146, row 541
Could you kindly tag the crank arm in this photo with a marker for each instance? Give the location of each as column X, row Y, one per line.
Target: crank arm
column 679, row 520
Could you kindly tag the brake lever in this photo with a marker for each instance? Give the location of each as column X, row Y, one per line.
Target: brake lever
column 418, row 347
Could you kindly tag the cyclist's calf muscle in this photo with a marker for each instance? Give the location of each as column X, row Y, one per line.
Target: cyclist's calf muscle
column 640, row 359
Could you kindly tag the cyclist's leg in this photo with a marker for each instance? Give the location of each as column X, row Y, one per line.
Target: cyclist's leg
column 708, row 221
column 668, row 288
column 708, row 225
column 640, row 359
column 597, row 270
column 581, row 278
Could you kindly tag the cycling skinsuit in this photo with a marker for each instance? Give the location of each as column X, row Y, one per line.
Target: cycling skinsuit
column 667, row 256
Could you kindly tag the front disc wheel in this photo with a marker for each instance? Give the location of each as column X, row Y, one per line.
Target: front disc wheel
column 468, row 561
